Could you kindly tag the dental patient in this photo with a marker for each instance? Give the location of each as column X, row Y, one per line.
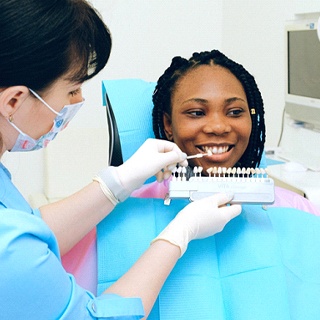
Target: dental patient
column 205, row 104
column 211, row 104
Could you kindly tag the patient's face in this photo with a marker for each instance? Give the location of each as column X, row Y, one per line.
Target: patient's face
column 210, row 112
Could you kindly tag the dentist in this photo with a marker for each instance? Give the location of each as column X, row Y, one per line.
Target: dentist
column 47, row 50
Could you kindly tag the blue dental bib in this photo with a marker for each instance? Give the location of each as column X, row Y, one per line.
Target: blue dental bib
column 265, row 264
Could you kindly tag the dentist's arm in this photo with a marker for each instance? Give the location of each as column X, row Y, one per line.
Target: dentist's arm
column 73, row 217
column 200, row 219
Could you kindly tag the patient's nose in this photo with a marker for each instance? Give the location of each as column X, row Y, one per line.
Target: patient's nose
column 217, row 124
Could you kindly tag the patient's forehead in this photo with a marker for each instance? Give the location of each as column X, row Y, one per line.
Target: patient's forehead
column 206, row 82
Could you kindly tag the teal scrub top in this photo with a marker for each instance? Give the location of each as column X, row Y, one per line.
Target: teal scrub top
column 33, row 283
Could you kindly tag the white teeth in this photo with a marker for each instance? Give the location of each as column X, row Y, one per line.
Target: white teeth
column 215, row 150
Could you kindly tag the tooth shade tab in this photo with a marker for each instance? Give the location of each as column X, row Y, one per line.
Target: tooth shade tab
column 180, row 173
column 248, row 185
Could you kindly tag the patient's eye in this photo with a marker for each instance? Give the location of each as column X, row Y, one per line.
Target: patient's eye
column 235, row 112
column 196, row 113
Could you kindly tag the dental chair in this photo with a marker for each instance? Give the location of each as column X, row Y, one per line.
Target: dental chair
column 264, row 264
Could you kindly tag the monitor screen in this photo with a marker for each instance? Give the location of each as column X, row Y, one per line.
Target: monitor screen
column 304, row 63
column 302, row 99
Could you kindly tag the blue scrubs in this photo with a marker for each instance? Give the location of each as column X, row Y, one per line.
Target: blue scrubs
column 33, row 283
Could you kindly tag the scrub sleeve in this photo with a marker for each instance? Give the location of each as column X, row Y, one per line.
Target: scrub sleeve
column 33, row 283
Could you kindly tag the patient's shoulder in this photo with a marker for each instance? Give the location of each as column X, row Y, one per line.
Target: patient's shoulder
column 287, row 198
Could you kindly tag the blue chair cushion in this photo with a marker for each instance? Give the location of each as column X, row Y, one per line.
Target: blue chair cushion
column 131, row 101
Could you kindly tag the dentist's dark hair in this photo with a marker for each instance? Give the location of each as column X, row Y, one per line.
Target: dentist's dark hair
column 44, row 40
column 180, row 67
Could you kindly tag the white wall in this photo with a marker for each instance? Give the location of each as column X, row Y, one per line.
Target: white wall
column 147, row 34
column 253, row 34
column 254, row 37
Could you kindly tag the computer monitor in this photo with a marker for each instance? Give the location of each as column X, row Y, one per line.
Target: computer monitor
column 302, row 99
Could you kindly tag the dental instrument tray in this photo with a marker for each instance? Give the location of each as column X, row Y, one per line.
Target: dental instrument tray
column 248, row 185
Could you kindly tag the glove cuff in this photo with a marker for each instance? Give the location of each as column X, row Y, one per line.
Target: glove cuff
column 111, row 179
column 174, row 236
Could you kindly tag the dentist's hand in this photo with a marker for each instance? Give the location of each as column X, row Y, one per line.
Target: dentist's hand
column 199, row 219
column 154, row 157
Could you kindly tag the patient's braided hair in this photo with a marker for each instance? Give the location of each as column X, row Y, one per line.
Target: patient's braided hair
column 180, row 67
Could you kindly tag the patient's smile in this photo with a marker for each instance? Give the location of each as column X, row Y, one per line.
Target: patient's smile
column 215, row 155
column 215, row 149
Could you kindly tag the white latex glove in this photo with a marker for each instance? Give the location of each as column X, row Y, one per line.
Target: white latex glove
column 154, row 157
column 199, row 219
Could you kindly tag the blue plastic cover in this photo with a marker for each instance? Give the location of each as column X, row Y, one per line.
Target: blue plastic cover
column 264, row 265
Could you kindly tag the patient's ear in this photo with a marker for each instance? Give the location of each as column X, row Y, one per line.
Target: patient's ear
column 167, row 124
column 11, row 99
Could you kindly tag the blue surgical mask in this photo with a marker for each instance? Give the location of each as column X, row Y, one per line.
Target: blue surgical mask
column 26, row 143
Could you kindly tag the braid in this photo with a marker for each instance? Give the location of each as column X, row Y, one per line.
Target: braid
column 252, row 155
column 162, row 94
column 180, row 66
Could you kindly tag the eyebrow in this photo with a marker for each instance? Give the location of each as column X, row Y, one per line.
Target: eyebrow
column 203, row 101
column 230, row 100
